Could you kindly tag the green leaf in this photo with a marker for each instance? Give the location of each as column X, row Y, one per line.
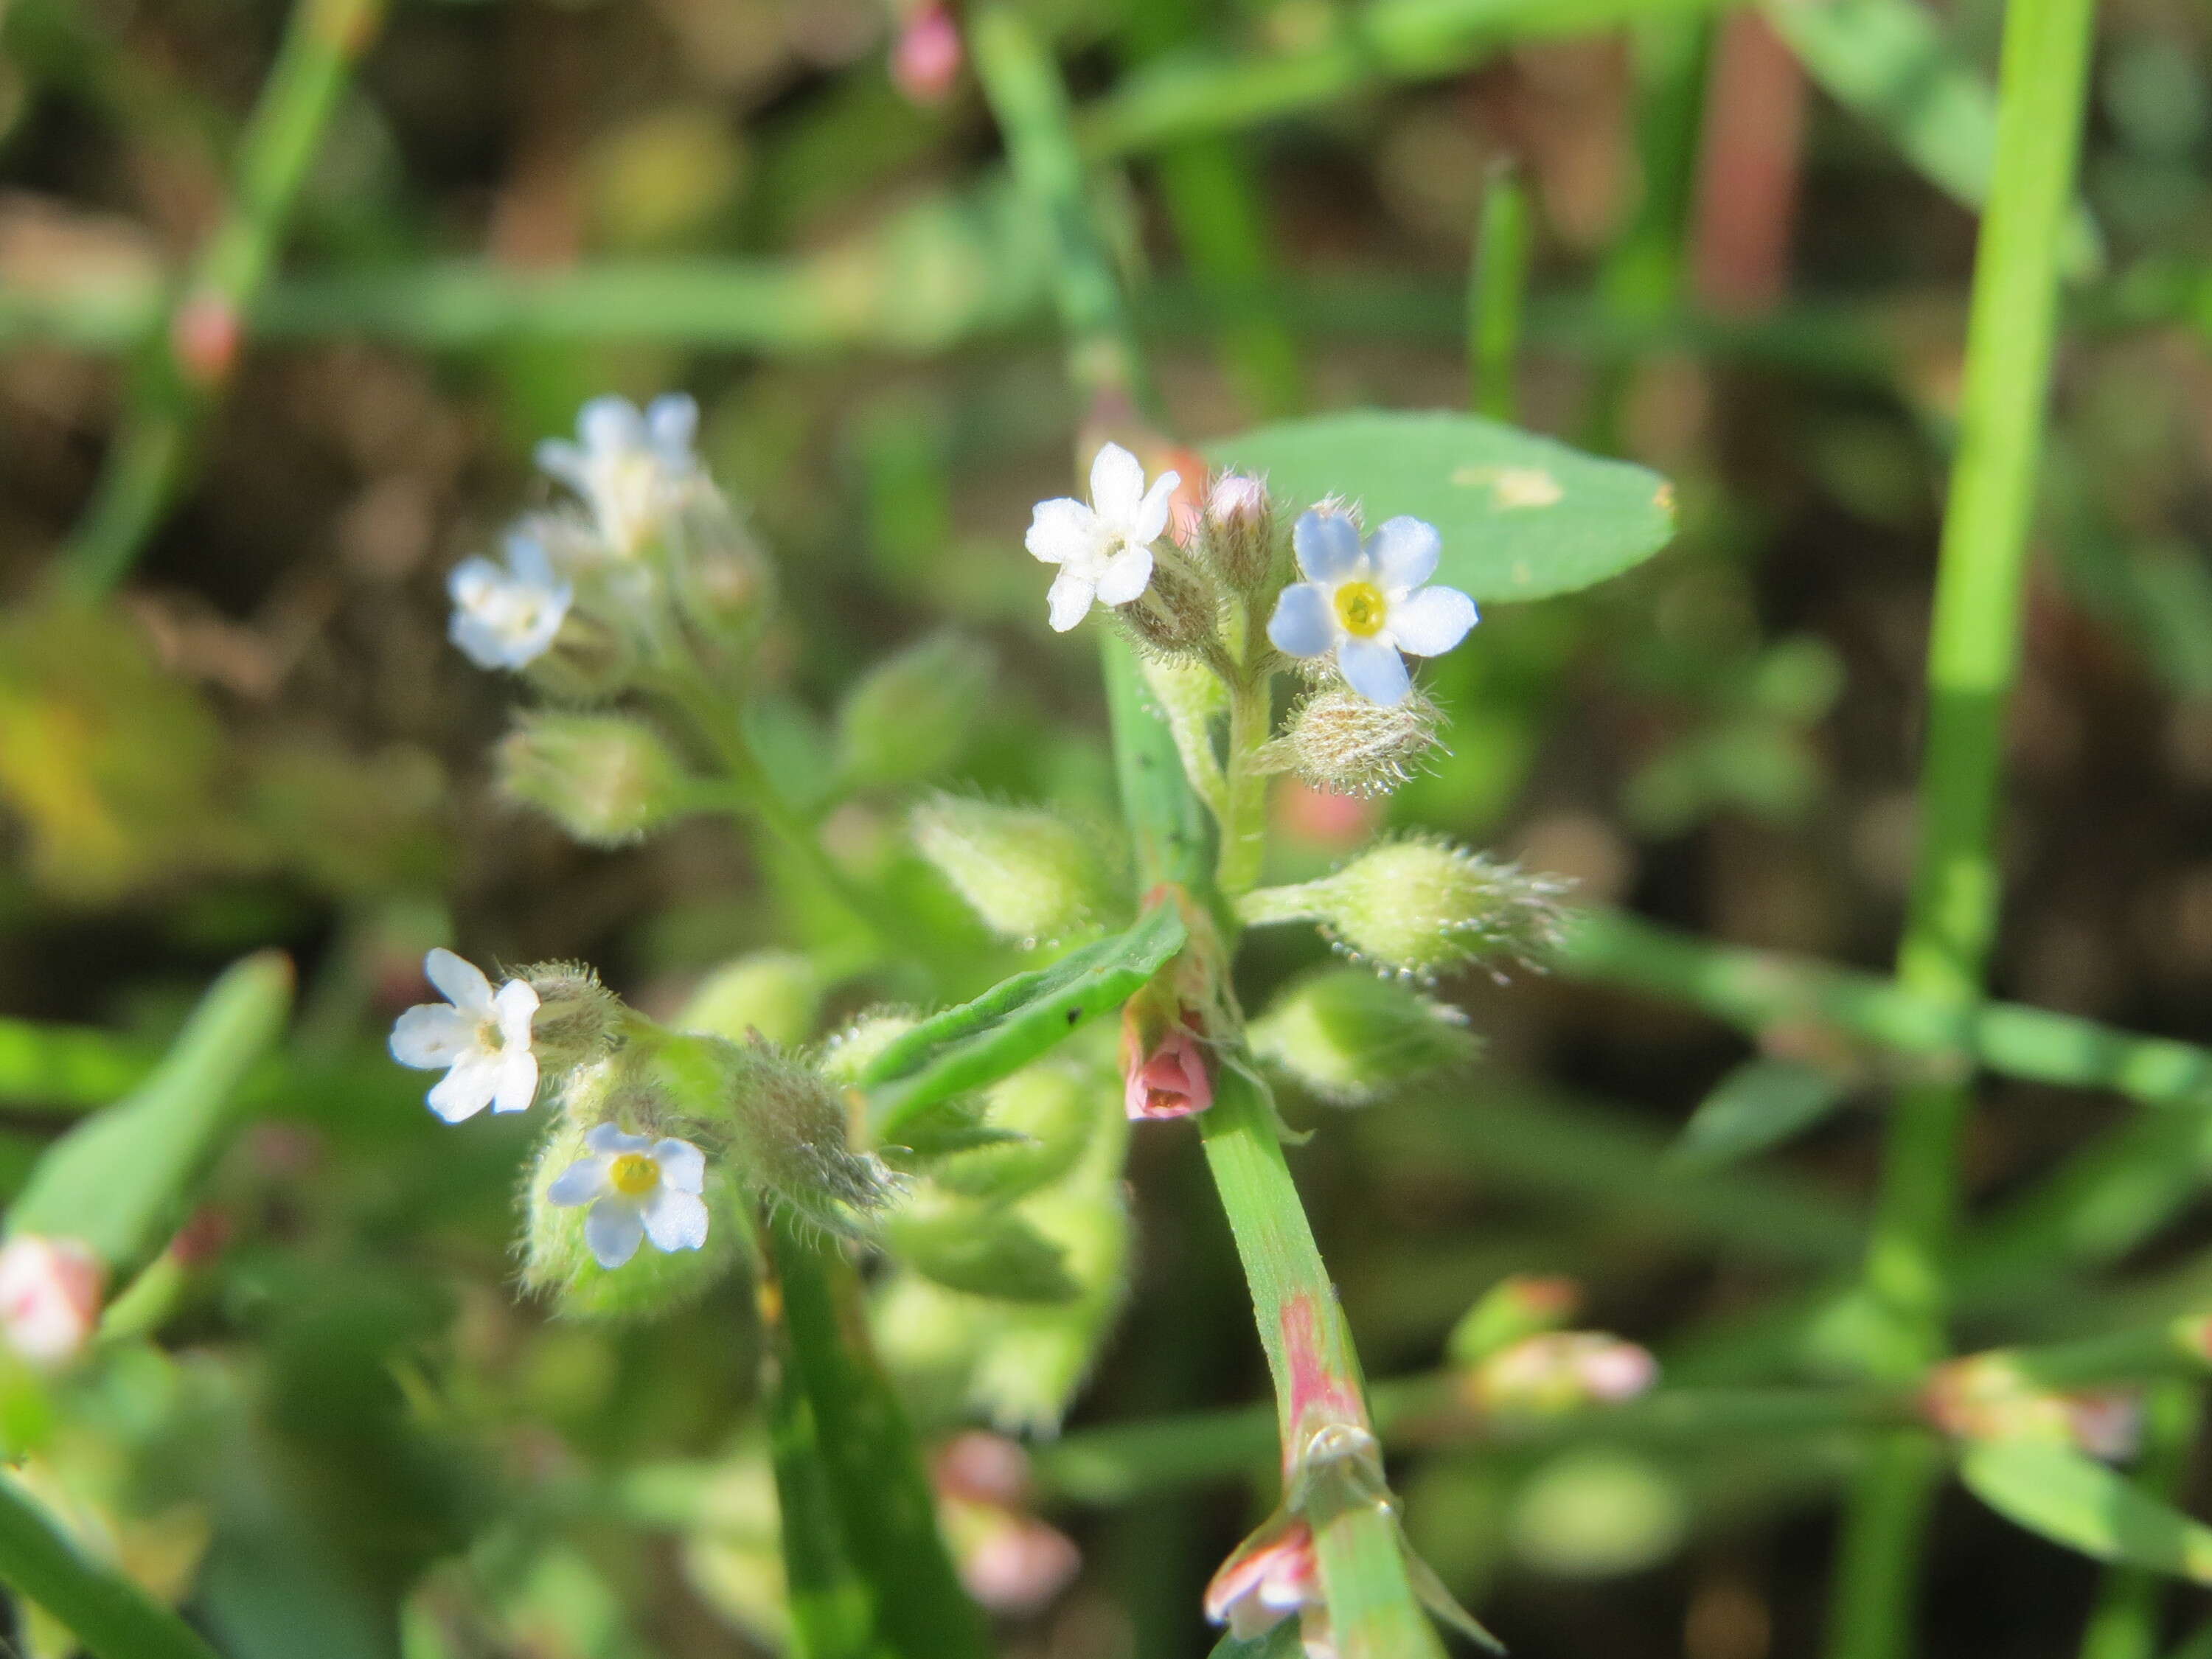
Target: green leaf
column 2082, row 1505
column 112, row 1616
column 1761, row 1103
column 1010, row 1024
column 1523, row 517
column 1282, row 1641
column 983, row 1252
column 1890, row 61
column 120, row 1181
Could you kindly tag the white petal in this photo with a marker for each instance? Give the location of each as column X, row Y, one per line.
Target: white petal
column 675, row 1221
column 432, row 1036
column 525, row 557
column 515, row 1005
column 1062, row 531
column 459, row 981
column 607, row 424
column 1328, row 546
column 517, row 1081
column 1430, row 623
column 468, row 1088
column 474, row 580
column 479, row 641
column 1375, row 669
column 1125, row 575
column 559, row 458
column 673, row 420
column 1151, row 515
column 1301, row 625
column 1117, row 484
column 613, row 1231
column 1404, row 551
column 683, row 1165
column 1070, row 599
column 580, row 1183
column 608, row 1137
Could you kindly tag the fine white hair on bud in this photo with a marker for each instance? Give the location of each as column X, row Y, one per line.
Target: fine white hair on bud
column 1179, row 616
column 480, row 1040
column 607, row 779
column 578, row 1019
column 1237, row 535
column 1351, row 1038
column 1338, row 741
column 787, row 1124
column 1421, row 907
column 1032, row 875
column 1103, row 548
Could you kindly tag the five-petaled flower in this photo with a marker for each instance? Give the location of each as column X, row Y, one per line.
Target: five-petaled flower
column 630, row 468
column 638, row 1189
column 482, row 1040
column 1369, row 602
column 507, row 616
column 1104, row 550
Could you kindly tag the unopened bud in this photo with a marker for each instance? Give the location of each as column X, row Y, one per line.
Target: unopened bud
column 1236, row 535
column 1029, row 874
column 1179, row 615
column 1511, row 1310
column 50, row 1298
column 1052, row 1109
column 927, row 56
column 1989, row 1396
column 1012, row 1563
column 979, row 1249
column 577, row 1019
column 853, row 1050
column 910, row 715
column 777, row 994
column 1421, row 907
column 789, row 1136
column 723, row 581
column 1351, row 1038
column 1338, row 741
column 1561, row 1372
column 1274, row 1574
column 603, row 778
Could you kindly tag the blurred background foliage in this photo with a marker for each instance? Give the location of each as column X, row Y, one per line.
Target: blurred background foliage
column 1749, row 252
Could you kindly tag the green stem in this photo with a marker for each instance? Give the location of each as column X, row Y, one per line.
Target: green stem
column 1974, row 654
column 1498, row 293
column 104, row 1610
column 1244, row 792
column 188, row 356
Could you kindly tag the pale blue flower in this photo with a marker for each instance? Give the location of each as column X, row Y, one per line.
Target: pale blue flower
column 1104, row 549
column 506, row 616
column 630, row 469
column 481, row 1041
column 1369, row 602
column 638, row 1189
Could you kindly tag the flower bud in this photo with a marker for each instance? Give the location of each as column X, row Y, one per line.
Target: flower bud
column 590, row 660
column 982, row 1249
column 723, row 581
column 1029, row 874
column 1179, row 615
column 1053, row 1111
column 50, row 1298
column 1989, row 1396
column 1273, row 1575
column 1557, row 1371
column 558, row 1263
column 853, row 1050
column 1351, row 1038
column 1338, row 741
column 909, row 716
column 1236, row 535
column 788, row 1135
column 776, row 993
column 1514, row 1309
column 605, row 779
column 577, row 1019
column 1420, row 907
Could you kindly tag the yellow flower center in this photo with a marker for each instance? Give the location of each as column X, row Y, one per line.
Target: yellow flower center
column 633, row 1175
column 1361, row 608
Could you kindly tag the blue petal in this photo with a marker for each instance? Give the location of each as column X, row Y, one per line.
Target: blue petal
column 1300, row 626
column 1328, row 546
column 1374, row 671
column 1405, row 552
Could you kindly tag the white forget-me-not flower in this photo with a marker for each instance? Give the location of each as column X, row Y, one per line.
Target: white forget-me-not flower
column 1368, row 603
column 638, row 1189
column 631, row 469
column 1104, row 550
column 506, row 616
column 482, row 1041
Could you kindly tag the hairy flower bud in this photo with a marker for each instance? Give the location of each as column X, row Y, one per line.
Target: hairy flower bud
column 1351, row 1038
column 1515, row 1308
column 909, row 716
column 1029, row 873
column 777, row 994
column 1053, row 1110
column 1338, row 741
column 853, row 1050
column 605, row 779
column 723, row 581
column 1179, row 615
column 1421, row 907
column 788, row 1133
column 590, row 660
column 577, row 1019
column 1237, row 535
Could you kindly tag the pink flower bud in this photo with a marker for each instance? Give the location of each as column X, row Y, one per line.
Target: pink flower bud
column 1018, row 1564
column 1273, row 1574
column 50, row 1298
column 927, row 59
column 983, row 1467
column 205, row 338
column 1171, row 1081
column 1562, row 1371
